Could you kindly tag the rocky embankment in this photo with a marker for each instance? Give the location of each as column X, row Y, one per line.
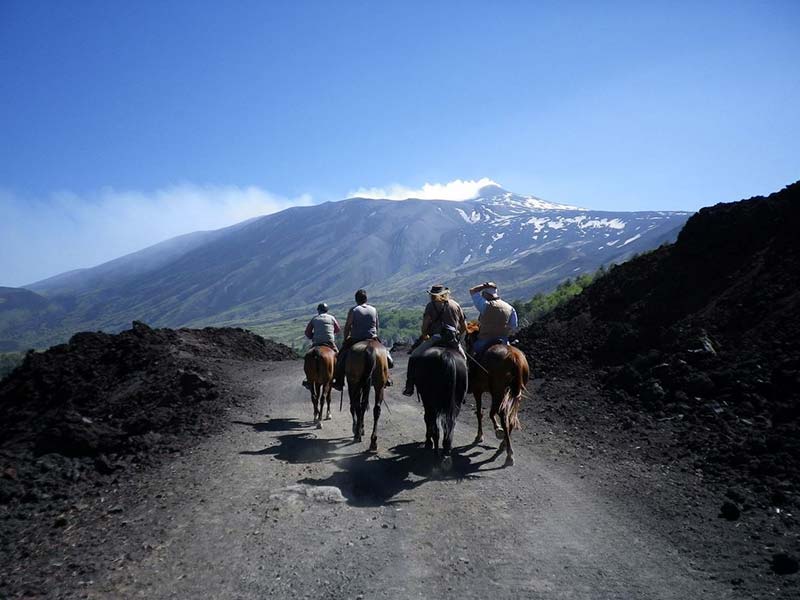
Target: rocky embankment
column 695, row 348
column 101, row 403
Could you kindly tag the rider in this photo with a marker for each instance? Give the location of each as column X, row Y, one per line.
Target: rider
column 442, row 315
column 361, row 324
column 498, row 318
column 321, row 330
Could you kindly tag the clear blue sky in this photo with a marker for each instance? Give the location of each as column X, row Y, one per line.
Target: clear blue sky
column 610, row 105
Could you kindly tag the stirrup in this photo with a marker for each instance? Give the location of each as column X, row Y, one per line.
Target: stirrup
column 408, row 390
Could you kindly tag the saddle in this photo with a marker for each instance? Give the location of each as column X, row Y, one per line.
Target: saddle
column 448, row 338
column 493, row 342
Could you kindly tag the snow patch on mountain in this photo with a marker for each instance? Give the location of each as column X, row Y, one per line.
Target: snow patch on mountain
column 631, row 239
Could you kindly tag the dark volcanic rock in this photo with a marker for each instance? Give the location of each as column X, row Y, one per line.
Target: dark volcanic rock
column 703, row 335
column 783, row 564
column 73, row 413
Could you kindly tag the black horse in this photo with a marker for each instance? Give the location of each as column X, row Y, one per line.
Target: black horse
column 440, row 375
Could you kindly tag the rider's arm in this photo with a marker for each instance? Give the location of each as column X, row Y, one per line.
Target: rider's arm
column 309, row 330
column 426, row 321
column 348, row 324
column 513, row 322
column 479, row 302
column 462, row 321
column 336, row 328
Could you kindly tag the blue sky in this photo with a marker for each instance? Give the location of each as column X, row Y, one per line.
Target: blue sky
column 125, row 123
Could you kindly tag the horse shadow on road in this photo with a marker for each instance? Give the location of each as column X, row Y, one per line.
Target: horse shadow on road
column 273, row 425
column 370, row 480
column 294, row 448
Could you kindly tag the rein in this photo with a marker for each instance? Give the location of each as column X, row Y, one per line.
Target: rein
column 469, row 356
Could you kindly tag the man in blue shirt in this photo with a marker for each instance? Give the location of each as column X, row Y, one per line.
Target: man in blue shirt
column 498, row 319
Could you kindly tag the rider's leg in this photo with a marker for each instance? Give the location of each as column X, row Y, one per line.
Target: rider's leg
column 409, row 389
column 338, row 373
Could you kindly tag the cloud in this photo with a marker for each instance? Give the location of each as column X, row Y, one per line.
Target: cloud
column 43, row 237
column 457, row 189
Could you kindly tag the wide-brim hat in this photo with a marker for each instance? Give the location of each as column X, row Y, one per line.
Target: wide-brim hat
column 438, row 289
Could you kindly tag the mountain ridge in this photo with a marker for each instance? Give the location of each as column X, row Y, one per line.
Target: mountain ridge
column 280, row 265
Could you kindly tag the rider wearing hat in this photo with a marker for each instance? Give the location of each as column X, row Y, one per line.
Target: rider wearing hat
column 442, row 315
column 498, row 318
column 322, row 329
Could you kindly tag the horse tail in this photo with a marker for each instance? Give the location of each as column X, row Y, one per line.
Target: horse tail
column 450, row 377
column 519, row 379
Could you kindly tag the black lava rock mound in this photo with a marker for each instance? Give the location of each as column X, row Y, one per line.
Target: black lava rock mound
column 704, row 336
column 100, row 402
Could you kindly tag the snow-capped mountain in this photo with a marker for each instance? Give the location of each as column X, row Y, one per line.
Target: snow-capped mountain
column 279, row 266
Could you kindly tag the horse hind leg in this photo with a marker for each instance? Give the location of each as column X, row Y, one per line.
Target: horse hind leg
column 498, row 429
column 505, row 419
column 376, row 415
column 314, row 399
column 479, row 415
column 327, row 393
column 429, row 424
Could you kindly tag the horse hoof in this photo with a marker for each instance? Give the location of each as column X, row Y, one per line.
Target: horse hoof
column 328, row 417
column 447, row 463
column 319, row 424
column 478, row 439
column 428, row 445
column 499, row 433
column 509, row 461
column 373, row 447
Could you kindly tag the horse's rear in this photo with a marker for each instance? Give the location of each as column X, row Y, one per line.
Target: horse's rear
column 319, row 365
column 440, row 375
column 367, row 366
column 504, row 376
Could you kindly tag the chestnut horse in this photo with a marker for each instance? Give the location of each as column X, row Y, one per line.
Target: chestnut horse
column 503, row 373
column 319, row 364
column 367, row 366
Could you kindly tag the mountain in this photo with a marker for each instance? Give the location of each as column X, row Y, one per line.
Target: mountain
column 279, row 266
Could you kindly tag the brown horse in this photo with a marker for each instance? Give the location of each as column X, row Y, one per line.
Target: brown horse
column 367, row 366
column 319, row 364
column 503, row 373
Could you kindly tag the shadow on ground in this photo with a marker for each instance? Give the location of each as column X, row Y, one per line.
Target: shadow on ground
column 273, row 425
column 299, row 448
column 373, row 480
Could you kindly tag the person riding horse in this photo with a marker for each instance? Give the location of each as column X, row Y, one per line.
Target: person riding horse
column 361, row 324
column 321, row 330
column 443, row 316
column 498, row 319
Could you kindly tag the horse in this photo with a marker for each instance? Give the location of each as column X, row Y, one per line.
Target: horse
column 367, row 366
column 440, row 375
column 319, row 364
column 502, row 372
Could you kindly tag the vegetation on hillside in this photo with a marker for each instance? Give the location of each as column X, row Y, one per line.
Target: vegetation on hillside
column 543, row 303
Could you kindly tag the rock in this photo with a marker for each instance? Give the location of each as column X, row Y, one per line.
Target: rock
column 784, row 564
column 729, row 511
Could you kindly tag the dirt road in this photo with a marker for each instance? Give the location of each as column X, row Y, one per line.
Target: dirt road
column 276, row 508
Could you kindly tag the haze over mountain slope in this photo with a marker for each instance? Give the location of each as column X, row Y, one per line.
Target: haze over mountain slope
column 279, row 266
